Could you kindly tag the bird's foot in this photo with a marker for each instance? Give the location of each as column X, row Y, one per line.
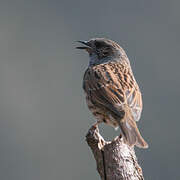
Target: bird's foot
column 95, row 125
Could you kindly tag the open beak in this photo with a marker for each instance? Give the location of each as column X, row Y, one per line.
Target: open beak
column 87, row 46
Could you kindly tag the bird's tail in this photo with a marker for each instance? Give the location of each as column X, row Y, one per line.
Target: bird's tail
column 131, row 133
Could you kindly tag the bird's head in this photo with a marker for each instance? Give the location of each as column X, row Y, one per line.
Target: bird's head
column 102, row 50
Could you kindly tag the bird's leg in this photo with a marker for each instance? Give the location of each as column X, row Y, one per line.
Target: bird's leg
column 95, row 125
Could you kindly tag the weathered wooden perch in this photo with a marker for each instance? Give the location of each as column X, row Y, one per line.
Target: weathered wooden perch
column 115, row 160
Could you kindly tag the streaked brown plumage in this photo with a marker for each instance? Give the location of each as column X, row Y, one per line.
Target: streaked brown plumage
column 112, row 94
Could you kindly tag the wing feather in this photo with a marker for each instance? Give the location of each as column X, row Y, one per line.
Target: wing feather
column 113, row 86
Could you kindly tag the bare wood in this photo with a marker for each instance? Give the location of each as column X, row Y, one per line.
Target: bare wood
column 115, row 160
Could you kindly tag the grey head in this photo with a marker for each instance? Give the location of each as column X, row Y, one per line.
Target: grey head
column 102, row 50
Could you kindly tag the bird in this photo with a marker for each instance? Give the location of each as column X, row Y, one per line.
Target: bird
column 112, row 93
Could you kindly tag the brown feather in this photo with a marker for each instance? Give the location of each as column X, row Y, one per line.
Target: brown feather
column 112, row 93
column 111, row 89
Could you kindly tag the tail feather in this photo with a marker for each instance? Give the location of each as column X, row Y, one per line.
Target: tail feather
column 132, row 134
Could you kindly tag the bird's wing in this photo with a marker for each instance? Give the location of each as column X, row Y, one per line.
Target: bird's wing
column 113, row 86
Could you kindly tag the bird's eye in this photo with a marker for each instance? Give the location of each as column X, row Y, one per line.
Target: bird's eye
column 99, row 44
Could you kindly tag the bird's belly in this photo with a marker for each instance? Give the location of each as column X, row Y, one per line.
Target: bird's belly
column 102, row 114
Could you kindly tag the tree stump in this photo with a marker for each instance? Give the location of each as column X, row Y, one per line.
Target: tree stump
column 115, row 160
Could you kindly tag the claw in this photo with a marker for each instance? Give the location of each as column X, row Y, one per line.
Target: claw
column 95, row 125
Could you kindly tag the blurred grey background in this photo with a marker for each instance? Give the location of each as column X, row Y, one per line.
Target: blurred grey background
column 43, row 115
